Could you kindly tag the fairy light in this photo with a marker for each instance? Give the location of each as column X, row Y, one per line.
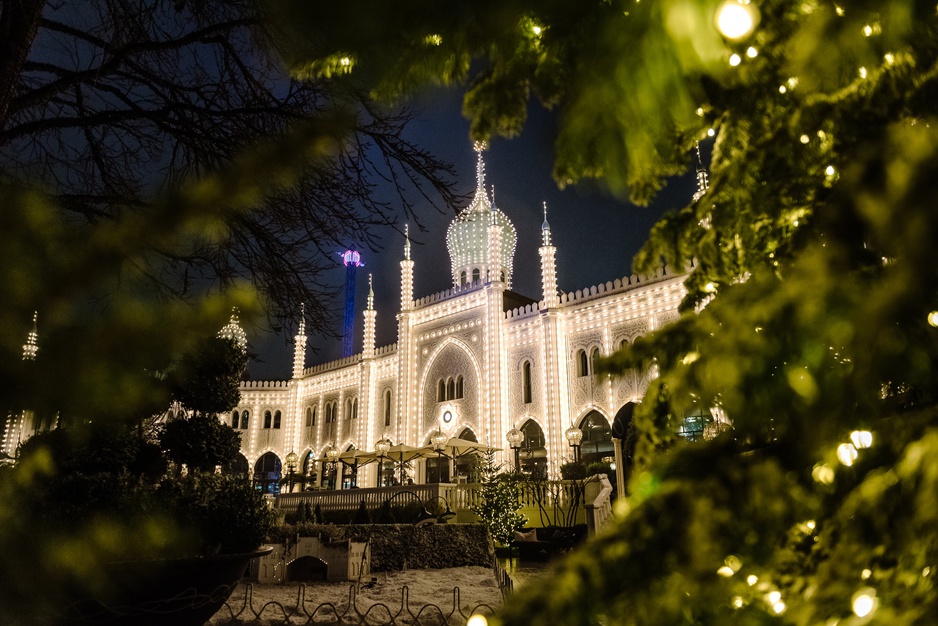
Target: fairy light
column 735, row 19
column 847, row 454
column 862, row 72
column 933, row 319
column 711, row 132
column 861, row 439
column 735, row 59
column 805, row 139
column 782, row 89
column 751, row 52
column 864, row 602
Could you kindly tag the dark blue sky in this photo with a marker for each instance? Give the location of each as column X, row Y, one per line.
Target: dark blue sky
column 596, row 235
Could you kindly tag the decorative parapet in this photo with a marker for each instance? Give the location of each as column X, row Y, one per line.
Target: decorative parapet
column 447, row 294
column 385, row 350
column 264, row 384
column 525, row 311
column 333, row 365
column 625, row 283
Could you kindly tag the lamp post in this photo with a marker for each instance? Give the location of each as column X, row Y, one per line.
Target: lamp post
column 332, row 453
column 381, row 448
column 439, row 440
column 515, row 437
column 574, row 436
column 291, row 461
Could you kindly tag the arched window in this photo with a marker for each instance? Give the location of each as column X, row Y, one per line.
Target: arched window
column 475, row 274
column 450, row 389
column 459, row 387
column 355, row 408
column 266, row 419
column 314, row 417
column 502, row 276
column 462, row 278
column 276, row 419
column 526, row 382
column 328, row 412
column 594, row 358
column 309, row 416
column 348, row 408
column 583, row 365
column 244, row 419
column 441, row 390
column 387, row 407
column 234, row 419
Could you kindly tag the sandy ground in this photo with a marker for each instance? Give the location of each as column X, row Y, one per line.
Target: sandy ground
column 432, row 596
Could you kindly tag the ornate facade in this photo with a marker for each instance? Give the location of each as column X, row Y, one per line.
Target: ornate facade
column 474, row 361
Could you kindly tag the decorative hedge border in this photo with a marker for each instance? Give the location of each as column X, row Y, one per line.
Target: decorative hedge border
column 404, row 546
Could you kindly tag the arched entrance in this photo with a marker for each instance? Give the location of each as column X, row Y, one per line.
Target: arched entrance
column 308, row 467
column 349, row 472
column 597, row 438
column 237, row 466
column 267, row 473
column 468, row 464
column 533, row 449
column 307, row 568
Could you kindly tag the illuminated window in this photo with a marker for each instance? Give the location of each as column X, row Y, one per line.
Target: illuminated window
column 276, row 419
column 594, row 358
column 244, row 419
column 266, row 419
column 329, row 412
column 387, row 407
column 475, row 274
column 355, row 408
column 459, row 387
column 583, row 365
column 450, row 389
column 348, row 408
column 234, row 419
column 462, row 278
column 309, row 416
column 526, row 382
column 441, row 390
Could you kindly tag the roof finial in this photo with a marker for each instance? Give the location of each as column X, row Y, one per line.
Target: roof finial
column 545, row 228
column 371, row 294
column 302, row 328
column 406, row 242
column 31, row 347
column 479, row 146
column 703, row 184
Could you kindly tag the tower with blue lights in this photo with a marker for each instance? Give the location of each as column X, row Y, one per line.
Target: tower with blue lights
column 352, row 261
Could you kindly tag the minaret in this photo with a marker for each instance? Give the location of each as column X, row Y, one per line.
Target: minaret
column 406, row 374
column 703, row 183
column 299, row 345
column 31, row 347
column 548, row 265
column 368, row 343
column 495, row 246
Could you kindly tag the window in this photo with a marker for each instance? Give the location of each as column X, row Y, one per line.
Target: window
column 355, row 408
column 328, row 412
column 244, row 420
column 314, row 417
column 276, row 419
column 526, row 382
column 309, row 416
column 462, row 278
column 594, row 358
column 475, row 274
column 459, row 386
column 234, row 419
column 583, row 366
column 450, row 389
column 441, row 390
column 387, row 407
column 266, row 419
column 502, row 276
column 348, row 408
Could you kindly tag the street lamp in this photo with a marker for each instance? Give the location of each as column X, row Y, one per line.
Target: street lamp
column 292, row 460
column 381, row 448
column 574, row 436
column 332, row 453
column 439, row 440
column 515, row 437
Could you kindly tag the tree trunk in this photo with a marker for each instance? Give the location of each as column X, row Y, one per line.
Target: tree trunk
column 19, row 22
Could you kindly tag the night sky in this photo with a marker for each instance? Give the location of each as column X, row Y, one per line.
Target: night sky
column 596, row 235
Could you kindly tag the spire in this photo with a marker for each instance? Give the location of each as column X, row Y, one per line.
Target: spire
column 703, row 183
column 479, row 146
column 234, row 332
column 31, row 347
column 299, row 347
column 371, row 294
column 545, row 229
column 302, row 329
column 494, row 209
column 406, row 242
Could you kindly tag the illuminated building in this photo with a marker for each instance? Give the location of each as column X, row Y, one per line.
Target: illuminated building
column 476, row 361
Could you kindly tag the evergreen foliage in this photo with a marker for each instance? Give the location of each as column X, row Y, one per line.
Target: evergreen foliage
column 811, row 307
column 500, row 500
column 201, row 442
column 206, row 379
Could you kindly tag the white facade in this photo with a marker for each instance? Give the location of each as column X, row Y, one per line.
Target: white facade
column 503, row 359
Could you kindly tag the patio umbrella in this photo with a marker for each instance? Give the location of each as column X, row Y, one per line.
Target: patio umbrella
column 403, row 453
column 455, row 448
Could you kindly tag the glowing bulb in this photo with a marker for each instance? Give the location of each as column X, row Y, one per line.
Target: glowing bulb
column 735, row 60
column 829, row 170
column 752, row 52
column 752, row 579
column 864, row 601
column 782, row 88
column 711, row 132
column 805, row 139
column 823, row 474
column 725, row 571
column 477, row 620
column 536, row 29
column 345, row 61
column 735, row 20
column 779, row 607
column 889, row 58
column 700, row 111
column 737, row 602
column 862, row 72
column 933, row 319
column 866, row 574
column 774, row 596
column 709, row 288
column 839, row 10
column 846, row 454
column 861, row 439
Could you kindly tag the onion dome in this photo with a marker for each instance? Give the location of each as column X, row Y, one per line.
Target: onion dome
column 234, row 332
column 469, row 235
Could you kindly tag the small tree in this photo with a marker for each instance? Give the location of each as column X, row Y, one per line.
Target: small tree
column 206, row 380
column 499, row 507
column 201, row 442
